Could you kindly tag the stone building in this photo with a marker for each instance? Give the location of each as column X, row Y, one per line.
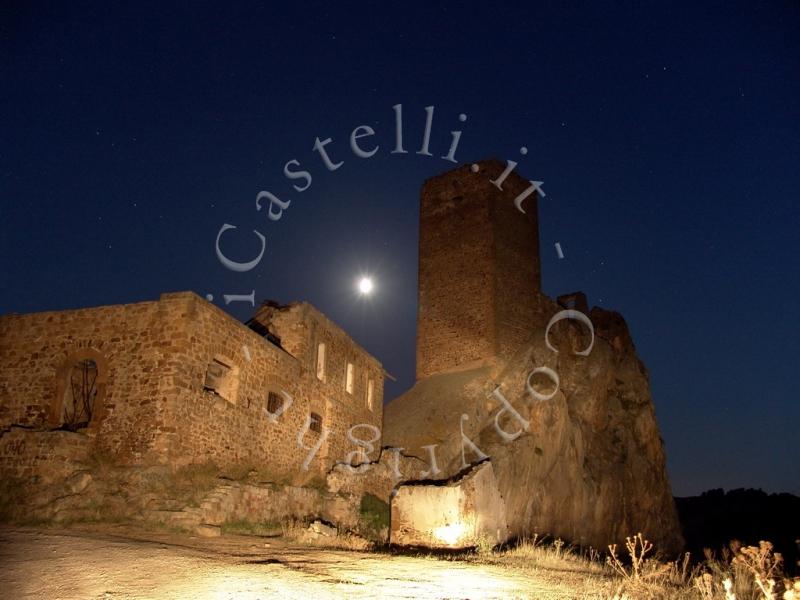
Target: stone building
column 178, row 381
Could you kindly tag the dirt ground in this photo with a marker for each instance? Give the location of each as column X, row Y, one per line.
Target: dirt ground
column 115, row 563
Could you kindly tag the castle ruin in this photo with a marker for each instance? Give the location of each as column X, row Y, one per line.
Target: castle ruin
column 178, row 382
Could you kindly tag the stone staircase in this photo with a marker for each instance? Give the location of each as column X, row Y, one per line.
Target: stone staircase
column 237, row 501
column 205, row 519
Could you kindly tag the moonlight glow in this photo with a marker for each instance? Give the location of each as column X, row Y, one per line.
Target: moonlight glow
column 365, row 286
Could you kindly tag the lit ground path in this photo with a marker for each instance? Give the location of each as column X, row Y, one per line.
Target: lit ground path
column 120, row 564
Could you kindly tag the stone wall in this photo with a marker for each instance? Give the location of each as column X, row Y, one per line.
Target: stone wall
column 479, row 272
column 233, row 501
column 238, row 430
column 465, row 511
column 130, row 343
column 302, row 328
column 153, row 403
column 43, row 457
column 378, row 477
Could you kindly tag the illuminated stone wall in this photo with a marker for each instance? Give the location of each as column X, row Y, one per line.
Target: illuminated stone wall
column 129, row 343
column 153, row 405
column 479, row 271
column 457, row 513
column 45, row 457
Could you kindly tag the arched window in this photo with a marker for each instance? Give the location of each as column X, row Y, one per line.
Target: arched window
column 79, row 395
column 80, row 388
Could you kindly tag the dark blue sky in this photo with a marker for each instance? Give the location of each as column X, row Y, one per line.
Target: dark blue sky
column 667, row 135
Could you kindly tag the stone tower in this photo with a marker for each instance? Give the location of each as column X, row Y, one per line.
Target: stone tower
column 479, row 271
column 590, row 466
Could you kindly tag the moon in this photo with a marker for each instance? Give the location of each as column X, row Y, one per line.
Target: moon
column 365, row 286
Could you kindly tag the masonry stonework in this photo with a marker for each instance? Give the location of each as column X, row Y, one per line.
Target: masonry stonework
column 152, row 403
column 479, row 272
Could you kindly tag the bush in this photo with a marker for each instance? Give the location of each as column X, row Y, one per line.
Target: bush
column 374, row 514
column 245, row 527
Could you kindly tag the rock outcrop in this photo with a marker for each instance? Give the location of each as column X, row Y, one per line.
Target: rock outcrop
column 590, row 467
column 464, row 511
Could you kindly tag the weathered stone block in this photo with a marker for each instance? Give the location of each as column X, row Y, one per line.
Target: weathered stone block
column 208, row 530
column 457, row 513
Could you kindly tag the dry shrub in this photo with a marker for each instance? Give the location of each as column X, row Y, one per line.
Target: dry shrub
column 245, row 527
column 299, row 531
column 742, row 573
column 537, row 552
column 745, row 573
column 638, row 548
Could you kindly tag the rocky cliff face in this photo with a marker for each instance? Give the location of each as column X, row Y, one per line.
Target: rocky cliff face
column 590, row 467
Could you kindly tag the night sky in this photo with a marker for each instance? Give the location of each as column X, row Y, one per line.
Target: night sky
column 667, row 137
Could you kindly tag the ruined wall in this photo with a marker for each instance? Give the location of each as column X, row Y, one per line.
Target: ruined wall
column 130, row 344
column 238, row 430
column 152, row 404
column 235, row 501
column 479, row 272
column 44, row 458
column 301, row 329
